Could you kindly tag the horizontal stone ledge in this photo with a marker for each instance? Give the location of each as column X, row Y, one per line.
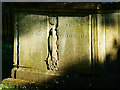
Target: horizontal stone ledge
column 16, row 82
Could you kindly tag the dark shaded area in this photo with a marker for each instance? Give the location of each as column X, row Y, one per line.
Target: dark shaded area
column 109, row 5
column 106, row 75
column 7, row 41
column 7, row 57
column 113, row 66
column 65, row 8
column 67, row 5
column 108, row 19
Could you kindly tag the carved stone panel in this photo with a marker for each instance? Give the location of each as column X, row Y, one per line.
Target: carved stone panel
column 32, row 41
column 69, row 42
column 74, row 43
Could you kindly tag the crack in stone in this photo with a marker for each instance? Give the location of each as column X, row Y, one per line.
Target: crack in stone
column 53, row 48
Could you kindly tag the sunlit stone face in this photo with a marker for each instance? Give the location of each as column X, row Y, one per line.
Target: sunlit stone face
column 74, row 43
column 32, row 40
column 82, row 42
column 73, row 37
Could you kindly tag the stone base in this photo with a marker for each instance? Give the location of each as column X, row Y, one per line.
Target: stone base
column 22, row 84
column 50, row 78
column 33, row 75
column 35, row 79
column 16, row 82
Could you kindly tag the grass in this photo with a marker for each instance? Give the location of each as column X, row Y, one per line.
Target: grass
column 2, row 86
column 5, row 86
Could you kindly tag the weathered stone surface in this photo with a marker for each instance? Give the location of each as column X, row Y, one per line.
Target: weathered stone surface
column 32, row 41
column 74, row 43
column 112, row 36
column 101, row 37
column 70, row 43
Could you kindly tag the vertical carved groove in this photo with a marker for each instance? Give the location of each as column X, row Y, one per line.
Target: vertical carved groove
column 17, row 28
column 57, row 42
column 92, row 43
column 15, row 74
column 53, row 47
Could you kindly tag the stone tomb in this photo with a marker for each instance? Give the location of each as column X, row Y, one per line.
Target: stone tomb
column 45, row 46
column 58, row 49
column 62, row 45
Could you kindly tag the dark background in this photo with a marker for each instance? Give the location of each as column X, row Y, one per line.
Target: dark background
column 7, row 41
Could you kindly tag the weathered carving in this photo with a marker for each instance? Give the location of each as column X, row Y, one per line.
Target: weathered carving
column 53, row 45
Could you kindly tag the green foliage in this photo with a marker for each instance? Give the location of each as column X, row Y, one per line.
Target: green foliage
column 5, row 86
